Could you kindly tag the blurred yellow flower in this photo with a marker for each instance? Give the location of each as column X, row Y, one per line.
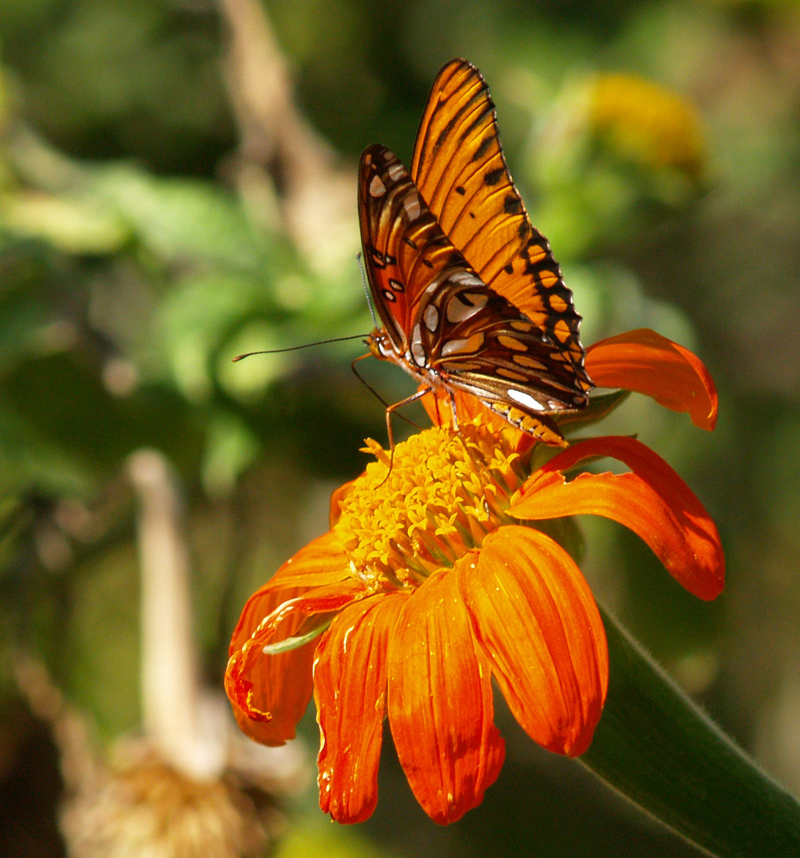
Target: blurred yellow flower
column 647, row 123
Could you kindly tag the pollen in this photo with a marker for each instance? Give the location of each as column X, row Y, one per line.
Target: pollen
column 415, row 512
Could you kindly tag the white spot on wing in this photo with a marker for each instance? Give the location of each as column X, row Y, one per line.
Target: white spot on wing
column 459, row 309
column 412, row 205
column 376, row 186
column 431, row 318
column 454, row 347
column 525, row 399
column 396, row 171
column 417, row 349
column 466, row 278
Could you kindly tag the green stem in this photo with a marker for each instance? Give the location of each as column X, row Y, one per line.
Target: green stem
column 663, row 753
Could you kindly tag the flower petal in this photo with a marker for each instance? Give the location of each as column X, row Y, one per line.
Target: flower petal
column 653, row 501
column 440, row 701
column 648, row 363
column 320, row 562
column 536, row 619
column 350, row 694
column 269, row 694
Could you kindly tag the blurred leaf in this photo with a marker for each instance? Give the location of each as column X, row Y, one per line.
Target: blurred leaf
column 71, row 225
column 230, row 449
column 63, row 397
column 185, row 219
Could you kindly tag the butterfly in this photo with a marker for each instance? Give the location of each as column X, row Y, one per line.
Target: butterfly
column 469, row 295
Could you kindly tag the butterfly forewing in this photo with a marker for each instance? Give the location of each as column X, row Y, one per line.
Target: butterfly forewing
column 444, row 325
column 403, row 246
column 460, row 170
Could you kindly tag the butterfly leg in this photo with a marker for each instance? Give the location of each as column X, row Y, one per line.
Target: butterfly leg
column 453, row 409
column 464, row 444
column 391, row 408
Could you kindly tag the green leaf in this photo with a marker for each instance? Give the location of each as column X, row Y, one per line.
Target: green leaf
column 660, row 750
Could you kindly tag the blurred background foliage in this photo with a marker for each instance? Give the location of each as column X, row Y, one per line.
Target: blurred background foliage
column 177, row 186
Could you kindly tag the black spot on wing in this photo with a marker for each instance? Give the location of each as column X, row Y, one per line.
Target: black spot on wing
column 483, row 148
column 481, row 117
column 493, row 176
column 512, row 205
column 455, row 120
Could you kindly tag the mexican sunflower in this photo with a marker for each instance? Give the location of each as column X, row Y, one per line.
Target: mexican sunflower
column 434, row 578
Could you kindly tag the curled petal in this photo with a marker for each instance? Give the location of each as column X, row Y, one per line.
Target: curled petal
column 536, row 619
column 648, row 363
column 653, row 501
column 440, row 701
column 271, row 700
column 350, row 694
column 269, row 694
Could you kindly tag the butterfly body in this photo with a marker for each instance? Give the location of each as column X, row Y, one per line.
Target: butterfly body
column 451, row 311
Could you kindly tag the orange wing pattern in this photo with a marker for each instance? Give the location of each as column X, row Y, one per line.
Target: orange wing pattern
column 461, row 172
column 468, row 293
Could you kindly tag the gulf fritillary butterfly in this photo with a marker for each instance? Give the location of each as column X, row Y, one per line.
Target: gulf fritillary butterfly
column 452, row 260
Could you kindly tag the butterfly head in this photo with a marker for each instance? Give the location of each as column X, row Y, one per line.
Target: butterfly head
column 379, row 344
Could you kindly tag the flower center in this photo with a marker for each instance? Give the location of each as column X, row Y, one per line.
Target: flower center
column 444, row 493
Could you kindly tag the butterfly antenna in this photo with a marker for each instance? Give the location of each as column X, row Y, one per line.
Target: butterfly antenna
column 304, row 346
column 366, row 290
column 454, row 410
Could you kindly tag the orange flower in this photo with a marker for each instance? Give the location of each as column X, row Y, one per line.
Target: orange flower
column 433, row 579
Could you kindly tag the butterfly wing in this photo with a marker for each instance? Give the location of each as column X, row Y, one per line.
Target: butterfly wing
column 461, row 172
column 405, row 252
column 442, row 323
